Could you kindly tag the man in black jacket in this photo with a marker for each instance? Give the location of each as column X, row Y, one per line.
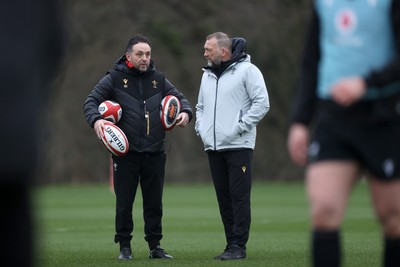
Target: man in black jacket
column 138, row 88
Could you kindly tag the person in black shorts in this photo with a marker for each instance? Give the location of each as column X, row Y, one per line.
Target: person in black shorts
column 349, row 90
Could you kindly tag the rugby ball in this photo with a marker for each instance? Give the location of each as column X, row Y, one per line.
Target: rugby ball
column 114, row 139
column 110, row 110
column 170, row 108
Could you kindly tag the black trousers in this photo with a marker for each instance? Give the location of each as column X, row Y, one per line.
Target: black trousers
column 148, row 170
column 231, row 172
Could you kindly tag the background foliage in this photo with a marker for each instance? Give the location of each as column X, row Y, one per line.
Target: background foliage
column 97, row 32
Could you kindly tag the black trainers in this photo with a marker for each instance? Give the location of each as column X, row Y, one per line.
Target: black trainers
column 234, row 252
column 159, row 253
column 219, row 257
column 125, row 254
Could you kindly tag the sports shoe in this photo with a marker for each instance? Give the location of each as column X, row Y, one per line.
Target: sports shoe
column 159, row 253
column 222, row 254
column 125, row 254
column 234, row 252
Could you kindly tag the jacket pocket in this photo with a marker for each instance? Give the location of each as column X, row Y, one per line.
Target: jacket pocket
column 240, row 120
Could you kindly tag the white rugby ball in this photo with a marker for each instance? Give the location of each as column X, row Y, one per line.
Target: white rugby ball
column 110, row 110
column 170, row 109
column 114, row 139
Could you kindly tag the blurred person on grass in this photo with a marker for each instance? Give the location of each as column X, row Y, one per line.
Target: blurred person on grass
column 31, row 50
column 349, row 95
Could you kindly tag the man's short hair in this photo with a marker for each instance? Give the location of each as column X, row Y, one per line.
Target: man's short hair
column 137, row 38
column 223, row 39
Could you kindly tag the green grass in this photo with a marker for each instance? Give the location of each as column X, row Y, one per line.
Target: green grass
column 75, row 227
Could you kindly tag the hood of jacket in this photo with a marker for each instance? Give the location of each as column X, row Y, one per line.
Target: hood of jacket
column 238, row 48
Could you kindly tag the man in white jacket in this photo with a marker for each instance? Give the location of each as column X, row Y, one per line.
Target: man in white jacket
column 232, row 99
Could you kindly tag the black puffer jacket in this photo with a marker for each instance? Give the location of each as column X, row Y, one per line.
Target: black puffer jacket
column 139, row 94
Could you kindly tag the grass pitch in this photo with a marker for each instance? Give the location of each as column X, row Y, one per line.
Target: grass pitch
column 75, row 227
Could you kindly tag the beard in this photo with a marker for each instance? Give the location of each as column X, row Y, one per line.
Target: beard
column 215, row 63
column 143, row 68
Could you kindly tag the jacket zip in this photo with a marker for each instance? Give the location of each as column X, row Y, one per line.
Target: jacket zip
column 146, row 113
column 215, row 114
column 147, row 118
column 215, row 104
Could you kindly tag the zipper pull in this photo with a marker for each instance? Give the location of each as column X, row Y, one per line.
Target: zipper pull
column 147, row 117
